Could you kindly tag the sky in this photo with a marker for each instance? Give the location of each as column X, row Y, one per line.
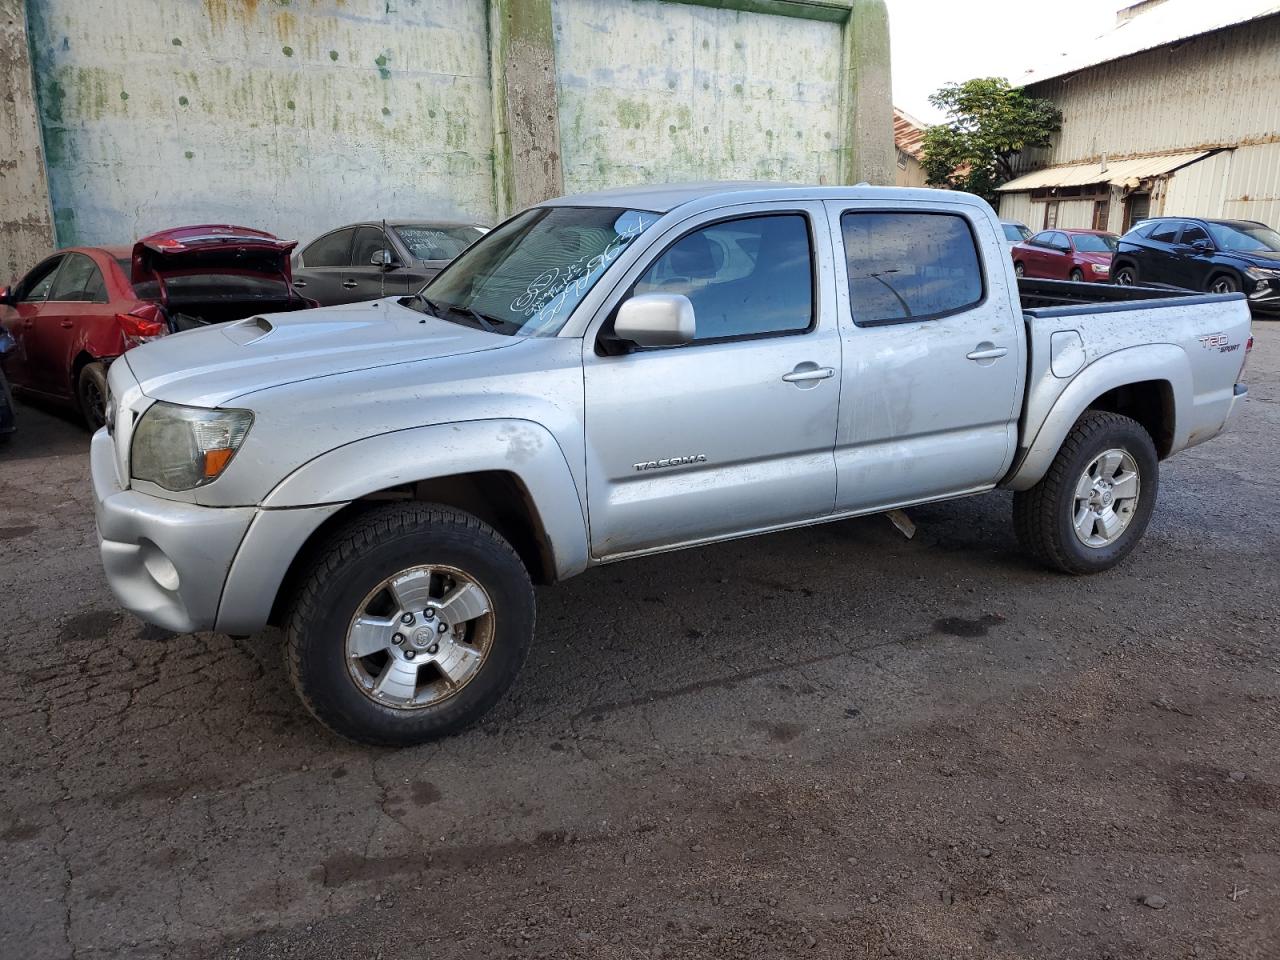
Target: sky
column 939, row 41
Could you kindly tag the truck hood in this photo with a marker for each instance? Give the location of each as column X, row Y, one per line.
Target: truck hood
column 213, row 366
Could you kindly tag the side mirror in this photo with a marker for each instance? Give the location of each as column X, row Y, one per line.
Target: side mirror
column 656, row 320
column 6, row 297
column 384, row 258
column 1202, row 246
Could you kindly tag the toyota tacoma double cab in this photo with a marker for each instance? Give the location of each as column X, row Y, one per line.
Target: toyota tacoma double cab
column 618, row 374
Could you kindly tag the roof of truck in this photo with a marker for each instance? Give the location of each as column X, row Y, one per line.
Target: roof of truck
column 663, row 197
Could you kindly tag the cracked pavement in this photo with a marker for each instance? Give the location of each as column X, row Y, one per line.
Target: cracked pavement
column 832, row 742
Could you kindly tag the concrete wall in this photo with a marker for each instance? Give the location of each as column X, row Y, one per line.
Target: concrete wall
column 296, row 115
column 27, row 227
column 651, row 92
column 289, row 118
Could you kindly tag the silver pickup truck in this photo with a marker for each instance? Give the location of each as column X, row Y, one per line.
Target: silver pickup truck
column 617, row 374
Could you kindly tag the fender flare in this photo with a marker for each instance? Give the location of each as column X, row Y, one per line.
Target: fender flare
column 1159, row 361
column 523, row 448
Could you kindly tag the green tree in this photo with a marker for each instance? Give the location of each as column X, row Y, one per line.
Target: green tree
column 988, row 124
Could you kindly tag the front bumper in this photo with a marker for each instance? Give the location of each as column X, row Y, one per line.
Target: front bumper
column 187, row 567
column 165, row 561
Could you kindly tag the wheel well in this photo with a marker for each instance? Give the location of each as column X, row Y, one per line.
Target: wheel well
column 82, row 360
column 1224, row 272
column 498, row 498
column 1150, row 402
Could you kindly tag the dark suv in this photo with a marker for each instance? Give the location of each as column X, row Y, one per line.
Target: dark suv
column 1219, row 256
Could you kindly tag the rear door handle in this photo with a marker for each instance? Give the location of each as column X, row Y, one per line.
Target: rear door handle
column 987, row 351
column 350, row 283
column 808, row 371
column 299, row 283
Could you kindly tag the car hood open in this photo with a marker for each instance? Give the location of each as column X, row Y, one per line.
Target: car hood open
column 214, row 366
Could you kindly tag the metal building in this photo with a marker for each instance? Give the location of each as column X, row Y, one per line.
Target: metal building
column 1175, row 111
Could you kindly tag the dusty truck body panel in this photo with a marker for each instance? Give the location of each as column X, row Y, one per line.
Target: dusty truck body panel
column 643, row 370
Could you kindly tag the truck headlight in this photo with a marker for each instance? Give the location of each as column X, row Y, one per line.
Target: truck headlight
column 181, row 448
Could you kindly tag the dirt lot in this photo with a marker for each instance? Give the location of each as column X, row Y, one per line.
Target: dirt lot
column 828, row 743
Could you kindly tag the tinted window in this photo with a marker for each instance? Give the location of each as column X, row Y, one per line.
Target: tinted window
column 438, row 243
column 37, row 283
column 73, row 278
column 1193, row 232
column 331, row 250
column 1245, row 237
column 1095, row 242
column 1165, row 231
column 369, row 240
column 909, row 265
column 1059, row 241
column 1041, row 239
column 744, row 277
column 1015, row 231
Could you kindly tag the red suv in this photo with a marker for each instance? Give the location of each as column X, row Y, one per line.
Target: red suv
column 1065, row 254
column 84, row 306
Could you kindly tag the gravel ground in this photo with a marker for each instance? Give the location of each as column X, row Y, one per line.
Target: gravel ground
column 827, row 743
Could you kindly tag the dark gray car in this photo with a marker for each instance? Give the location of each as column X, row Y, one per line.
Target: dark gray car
column 362, row 262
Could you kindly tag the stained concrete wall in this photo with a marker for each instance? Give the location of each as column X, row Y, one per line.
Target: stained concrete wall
column 26, row 228
column 292, row 117
column 296, row 115
column 657, row 91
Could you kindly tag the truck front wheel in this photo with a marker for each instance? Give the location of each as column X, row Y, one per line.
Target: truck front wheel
column 411, row 624
column 1093, row 505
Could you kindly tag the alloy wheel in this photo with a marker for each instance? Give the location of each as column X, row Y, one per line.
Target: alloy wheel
column 419, row 637
column 1106, row 498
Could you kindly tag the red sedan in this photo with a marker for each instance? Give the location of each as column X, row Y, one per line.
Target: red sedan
column 84, row 306
column 1066, row 254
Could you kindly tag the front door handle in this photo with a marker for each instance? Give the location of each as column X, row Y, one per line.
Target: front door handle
column 987, row 351
column 299, row 283
column 808, row 371
column 350, row 283
column 67, row 324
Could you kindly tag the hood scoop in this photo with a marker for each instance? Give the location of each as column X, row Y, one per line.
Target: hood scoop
column 248, row 331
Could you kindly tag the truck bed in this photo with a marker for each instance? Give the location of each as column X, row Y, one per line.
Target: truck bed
column 1036, row 294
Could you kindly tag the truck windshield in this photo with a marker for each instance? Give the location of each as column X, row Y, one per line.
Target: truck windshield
column 1245, row 237
column 525, row 277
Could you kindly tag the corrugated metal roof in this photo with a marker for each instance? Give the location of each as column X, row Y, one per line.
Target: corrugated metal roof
column 908, row 133
column 1117, row 171
column 1162, row 24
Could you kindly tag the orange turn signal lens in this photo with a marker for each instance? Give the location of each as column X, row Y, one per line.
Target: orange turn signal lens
column 215, row 461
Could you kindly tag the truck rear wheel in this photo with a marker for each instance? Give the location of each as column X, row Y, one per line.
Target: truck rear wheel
column 1093, row 505
column 411, row 624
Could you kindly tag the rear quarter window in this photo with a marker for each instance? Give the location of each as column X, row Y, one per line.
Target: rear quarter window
column 909, row 266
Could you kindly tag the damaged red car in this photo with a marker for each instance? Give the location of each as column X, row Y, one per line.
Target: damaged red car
column 84, row 306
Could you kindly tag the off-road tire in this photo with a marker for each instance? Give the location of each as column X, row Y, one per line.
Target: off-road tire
column 1042, row 516
column 355, row 559
column 91, row 394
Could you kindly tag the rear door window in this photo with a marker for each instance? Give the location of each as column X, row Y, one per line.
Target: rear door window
column 331, row 250
column 910, row 266
column 745, row 278
column 76, row 275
